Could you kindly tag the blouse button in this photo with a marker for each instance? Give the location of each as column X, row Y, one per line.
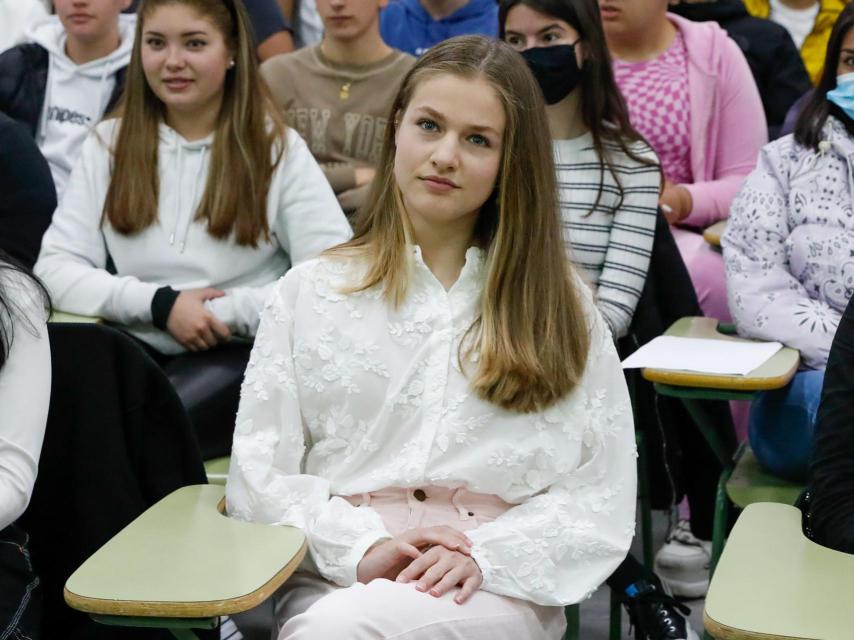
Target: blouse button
column 419, row 495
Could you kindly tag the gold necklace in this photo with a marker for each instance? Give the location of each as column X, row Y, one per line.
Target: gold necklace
column 344, row 92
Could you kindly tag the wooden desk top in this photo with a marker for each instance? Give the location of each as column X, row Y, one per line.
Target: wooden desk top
column 183, row 558
column 773, row 374
column 772, row 583
column 62, row 316
column 713, row 234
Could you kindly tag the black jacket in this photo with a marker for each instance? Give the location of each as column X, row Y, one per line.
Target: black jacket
column 831, row 481
column 28, row 196
column 117, row 441
column 774, row 59
column 23, row 81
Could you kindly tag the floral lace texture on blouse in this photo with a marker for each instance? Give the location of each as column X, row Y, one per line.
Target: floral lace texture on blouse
column 345, row 395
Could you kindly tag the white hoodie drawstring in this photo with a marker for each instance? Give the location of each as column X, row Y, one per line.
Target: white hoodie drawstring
column 190, row 217
column 46, row 104
column 850, row 179
column 180, row 181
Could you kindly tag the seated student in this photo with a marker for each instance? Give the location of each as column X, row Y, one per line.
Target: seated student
column 444, row 380
column 809, row 22
column 24, row 396
column 609, row 181
column 788, row 250
column 691, row 94
column 272, row 31
column 308, row 27
column 416, row 25
column 774, row 60
column 336, row 94
column 830, row 509
column 16, row 18
column 67, row 77
column 609, row 178
column 200, row 198
column 28, row 199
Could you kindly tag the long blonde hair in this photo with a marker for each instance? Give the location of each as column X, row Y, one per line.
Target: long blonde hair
column 531, row 335
column 248, row 142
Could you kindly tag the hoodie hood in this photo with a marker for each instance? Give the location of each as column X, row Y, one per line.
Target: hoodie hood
column 50, row 34
column 705, row 42
column 76, row 96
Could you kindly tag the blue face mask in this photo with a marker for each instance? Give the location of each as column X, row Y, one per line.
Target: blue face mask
column 843, row 95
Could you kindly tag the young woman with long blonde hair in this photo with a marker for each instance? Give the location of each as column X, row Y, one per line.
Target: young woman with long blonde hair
column 437, row 403
column 198, row 198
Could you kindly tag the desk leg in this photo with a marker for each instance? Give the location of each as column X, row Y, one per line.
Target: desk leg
column 708, row 429
column 573, row 622
column 645, row 501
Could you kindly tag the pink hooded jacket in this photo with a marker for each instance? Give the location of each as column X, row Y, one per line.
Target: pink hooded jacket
column 727, row 120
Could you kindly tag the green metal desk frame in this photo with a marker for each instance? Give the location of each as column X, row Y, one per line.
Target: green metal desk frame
column 692, row 388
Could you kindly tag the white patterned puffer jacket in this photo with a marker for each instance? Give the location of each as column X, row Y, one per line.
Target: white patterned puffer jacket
column 789, row 244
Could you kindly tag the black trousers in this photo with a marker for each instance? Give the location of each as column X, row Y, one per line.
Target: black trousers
column 20, row 596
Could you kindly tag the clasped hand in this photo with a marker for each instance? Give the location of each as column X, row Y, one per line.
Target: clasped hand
column 438, row 558
column 192, row 325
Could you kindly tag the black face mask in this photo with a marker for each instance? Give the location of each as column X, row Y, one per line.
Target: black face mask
column 555, row 69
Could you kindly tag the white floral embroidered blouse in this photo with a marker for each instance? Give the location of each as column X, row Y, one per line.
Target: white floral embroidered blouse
column 345, row 395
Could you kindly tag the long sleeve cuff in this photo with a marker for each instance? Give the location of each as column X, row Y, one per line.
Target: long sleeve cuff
column 161, row 306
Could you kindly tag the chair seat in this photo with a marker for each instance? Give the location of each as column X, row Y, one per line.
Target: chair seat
column 62, row 316
column 750, row 483
column 184, row 558
column 773, row 583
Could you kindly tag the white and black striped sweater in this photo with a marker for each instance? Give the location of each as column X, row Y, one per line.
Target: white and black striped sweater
column 612, row 246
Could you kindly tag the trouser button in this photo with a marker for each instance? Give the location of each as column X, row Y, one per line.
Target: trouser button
column 419, row 495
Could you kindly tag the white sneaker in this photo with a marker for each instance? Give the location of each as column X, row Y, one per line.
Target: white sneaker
column 228, row 630
column 683, row 563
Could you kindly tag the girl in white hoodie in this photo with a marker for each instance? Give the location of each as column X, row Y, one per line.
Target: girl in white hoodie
column 196, row 196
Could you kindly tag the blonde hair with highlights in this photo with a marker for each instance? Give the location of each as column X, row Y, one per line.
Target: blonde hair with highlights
column 248, row 142
column 531, row 335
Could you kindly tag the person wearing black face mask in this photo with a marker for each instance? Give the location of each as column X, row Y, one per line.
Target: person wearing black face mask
column 555, row 69
column 609, row 176
column 609, row 181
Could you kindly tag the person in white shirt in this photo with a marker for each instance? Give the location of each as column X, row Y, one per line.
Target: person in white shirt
column 438, row 404
column 197, row 194
column 16, row 17
column 25, row 378
column 66, row 76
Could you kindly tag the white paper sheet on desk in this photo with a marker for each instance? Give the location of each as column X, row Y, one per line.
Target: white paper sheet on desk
column 721, row 357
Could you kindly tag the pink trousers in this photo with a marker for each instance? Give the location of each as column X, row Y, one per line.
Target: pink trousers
column 706, row 267
column 308, row 607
